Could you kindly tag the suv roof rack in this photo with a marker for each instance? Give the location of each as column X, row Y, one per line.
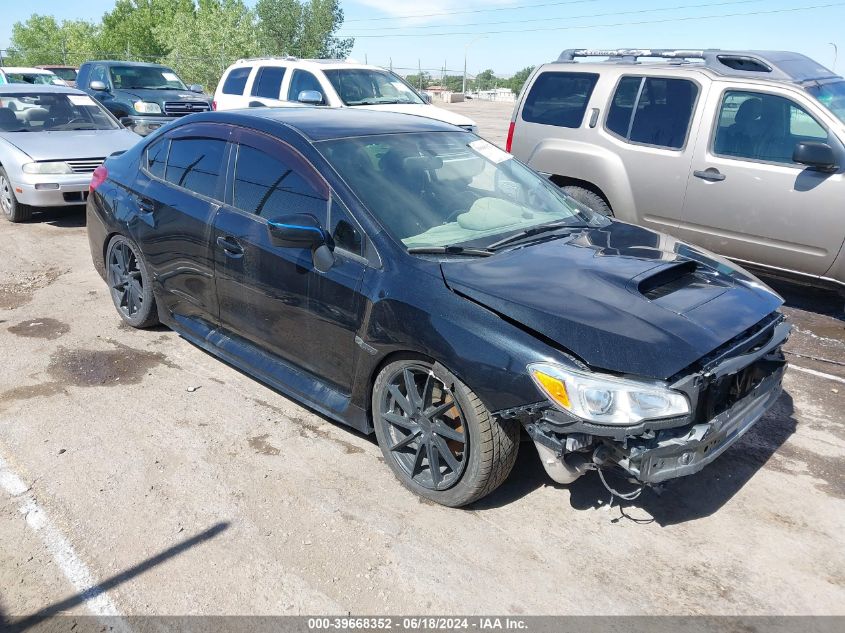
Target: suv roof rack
column 286, row 58
column 780, row 65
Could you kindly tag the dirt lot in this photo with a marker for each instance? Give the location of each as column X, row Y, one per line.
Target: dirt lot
column 136, row 461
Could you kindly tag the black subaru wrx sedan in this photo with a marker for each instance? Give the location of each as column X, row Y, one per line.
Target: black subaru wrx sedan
column 407, row 278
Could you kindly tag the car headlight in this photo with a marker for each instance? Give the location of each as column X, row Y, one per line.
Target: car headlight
column 53, row 167
column 607, row 399
column 145, row 107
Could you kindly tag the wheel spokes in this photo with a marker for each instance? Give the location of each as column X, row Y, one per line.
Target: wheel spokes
column 446, row 431
column 401, row 400
column 411, row 389
column 449, row 457
column 405, row 441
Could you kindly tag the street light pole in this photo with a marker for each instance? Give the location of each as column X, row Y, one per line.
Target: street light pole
column 466, row 49
column 835, row 55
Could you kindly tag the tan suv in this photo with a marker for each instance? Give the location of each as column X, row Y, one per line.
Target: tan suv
column 742, row 152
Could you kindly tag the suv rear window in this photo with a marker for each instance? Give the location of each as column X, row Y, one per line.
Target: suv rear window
column 268, row 82
column 652, row 110
column 559, row 99
column 236, row 81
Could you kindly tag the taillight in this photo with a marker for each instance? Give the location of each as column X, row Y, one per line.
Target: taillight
column 214, row 105
column 98, row 177
column 509, row 142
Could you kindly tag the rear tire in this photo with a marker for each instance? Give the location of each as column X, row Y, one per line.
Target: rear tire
column 11, row 209
column 589, row 199
column 130, row 283
column 441, row 420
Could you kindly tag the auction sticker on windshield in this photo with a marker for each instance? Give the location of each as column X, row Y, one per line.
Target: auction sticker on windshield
column 490, row 151
column 170, row 76
column 81, row 100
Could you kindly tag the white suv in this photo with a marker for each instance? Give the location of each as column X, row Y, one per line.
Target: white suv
column 278, row 81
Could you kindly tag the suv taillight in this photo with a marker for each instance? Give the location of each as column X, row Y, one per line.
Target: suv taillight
column 98, row 177
column 214, row 105
column 509, row 142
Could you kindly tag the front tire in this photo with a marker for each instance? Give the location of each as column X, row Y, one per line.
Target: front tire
column 437, row 436
column 130, row 283
column 11, row 209
column 589, row 199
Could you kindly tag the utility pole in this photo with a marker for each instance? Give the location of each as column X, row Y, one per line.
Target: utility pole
column 466, row 49
column 835, row 55
column 419, row 71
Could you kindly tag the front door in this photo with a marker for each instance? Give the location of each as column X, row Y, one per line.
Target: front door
column 273, row 297
column 747, row 200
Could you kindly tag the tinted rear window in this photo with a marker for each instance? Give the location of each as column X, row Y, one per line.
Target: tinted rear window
column 559, row 99
column 236, row 81
column 157, row 156
column 195, row 163
column 268, row 82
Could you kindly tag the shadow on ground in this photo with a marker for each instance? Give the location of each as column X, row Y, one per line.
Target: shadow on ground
column 31, row 621
column 825, row 302
column 684, row 499
column 61, row 217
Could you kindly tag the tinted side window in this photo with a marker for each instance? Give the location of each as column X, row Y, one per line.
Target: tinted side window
column 303, row 80
column 761, row 126
column 196, row 163
column 559, row 99
column 236, row 81
column 344, row 231
column 271, row 186
column 157, row 157
column 661, row 115
column 268, row 82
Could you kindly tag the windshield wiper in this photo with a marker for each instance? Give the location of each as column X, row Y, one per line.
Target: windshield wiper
column 532, row 231
column 449, row 250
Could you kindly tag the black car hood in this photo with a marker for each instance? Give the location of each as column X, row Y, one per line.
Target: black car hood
column 621, row 297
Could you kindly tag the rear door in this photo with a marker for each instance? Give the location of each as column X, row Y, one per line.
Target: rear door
column 747, row 200
column 232, row 92
column 176, row 212
column 273, row 297
column 266, row 87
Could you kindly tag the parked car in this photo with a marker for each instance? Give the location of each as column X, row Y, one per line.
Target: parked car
column 21, row 75
column 143, row 96
column 67, row 73
column 742, row 152
column 51, row 140
column 272, row 81
column 410, row 279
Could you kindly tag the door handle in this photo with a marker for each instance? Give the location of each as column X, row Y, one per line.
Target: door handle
column 710, row 174
column 145, row 206
column 230, row 246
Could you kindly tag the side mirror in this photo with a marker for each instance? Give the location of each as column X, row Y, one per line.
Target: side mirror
column 426, row 96
column 127, row 122
column 195, row 88
column 311, row 97
column 99, row 86
column 815, row 154
column 303, row 230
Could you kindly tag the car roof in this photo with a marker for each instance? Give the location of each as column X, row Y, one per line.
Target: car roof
column 37, row 89
column 26, row 69
column 322, row 124
column 323, row 64
column 117, row 62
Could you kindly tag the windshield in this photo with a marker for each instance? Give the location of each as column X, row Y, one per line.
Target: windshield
column 31, row 78
column 362, row 86
column 52, row 112
column 832, row 96
column 145, row 77
column 68, row 74
column 447, row 188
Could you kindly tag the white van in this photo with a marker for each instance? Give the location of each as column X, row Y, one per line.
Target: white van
column 278, row 81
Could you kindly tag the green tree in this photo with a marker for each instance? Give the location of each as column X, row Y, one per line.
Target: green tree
column 303, row 29
column 420, row 81
column 485, row 80
column 42, row 40
column 516, row 82
column 129, row 30
column 202, row 43
column 455, row 83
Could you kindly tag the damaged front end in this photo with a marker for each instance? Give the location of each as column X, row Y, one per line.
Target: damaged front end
column 589, row 424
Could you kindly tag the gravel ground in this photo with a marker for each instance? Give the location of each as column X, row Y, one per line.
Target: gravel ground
column 136, row 460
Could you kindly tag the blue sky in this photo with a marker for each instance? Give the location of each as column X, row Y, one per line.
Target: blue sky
column 537, row 30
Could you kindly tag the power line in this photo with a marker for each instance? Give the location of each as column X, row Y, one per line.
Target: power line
column 445, row 13
column 568, row 17
column 597, row 26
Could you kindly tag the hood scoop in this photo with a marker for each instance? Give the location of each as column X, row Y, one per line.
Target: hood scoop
column 680, row 286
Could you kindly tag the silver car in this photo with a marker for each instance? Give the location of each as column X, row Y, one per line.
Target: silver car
column 741, row 152
column 52, row 139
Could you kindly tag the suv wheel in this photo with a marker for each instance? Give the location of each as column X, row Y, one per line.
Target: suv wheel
column 589, row 199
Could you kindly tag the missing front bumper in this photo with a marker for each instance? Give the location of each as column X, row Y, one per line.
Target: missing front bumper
column 680, row 452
